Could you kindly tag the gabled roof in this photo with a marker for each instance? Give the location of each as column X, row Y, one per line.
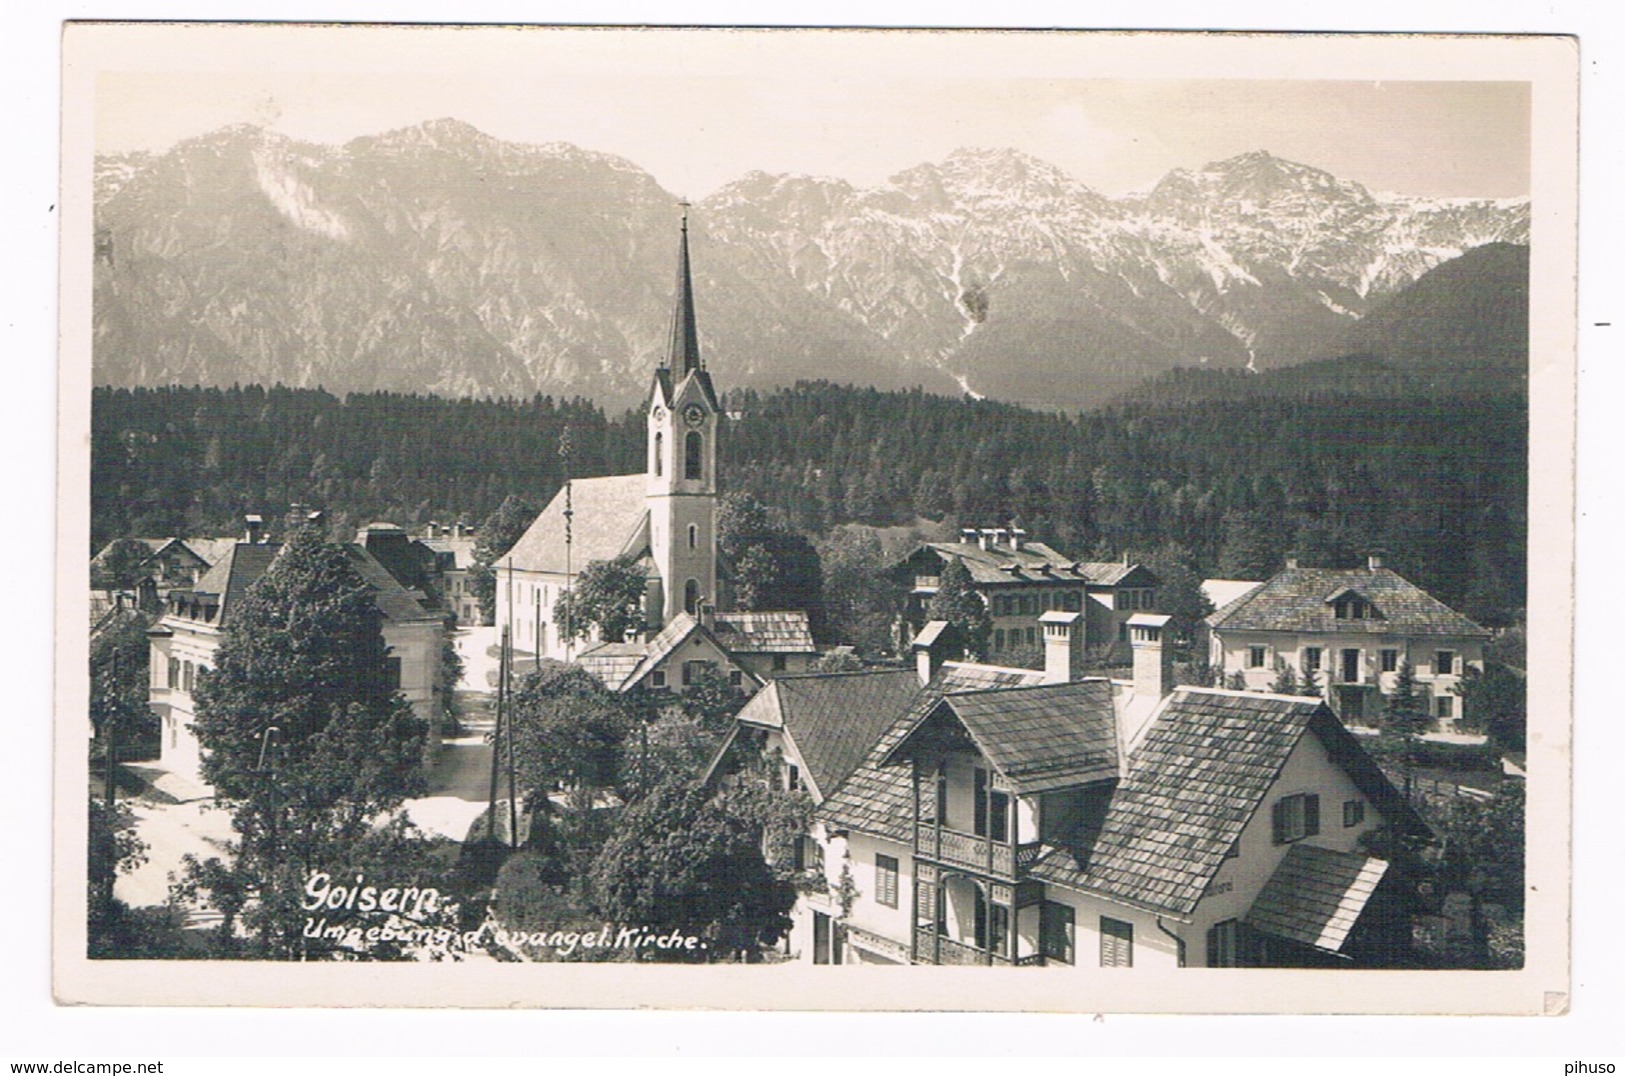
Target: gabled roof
column 1316, row 895
column 231, row 576
column 1203, row 769
column 609, row 512
column 612, row 663
column 832, row 718
column 879, row 799
column 677, row 631
column 1298, row 599
column 394, row 601
column 1041, row 738
column 765, row 633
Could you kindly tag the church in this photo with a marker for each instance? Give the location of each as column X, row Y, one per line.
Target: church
column 666, row 518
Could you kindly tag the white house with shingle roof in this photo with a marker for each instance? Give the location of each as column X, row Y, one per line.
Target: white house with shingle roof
column 1345, row 633
column 664, row 518
column 1016, row 817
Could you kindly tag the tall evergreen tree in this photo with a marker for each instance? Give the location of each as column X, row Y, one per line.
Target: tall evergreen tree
column 496, row 536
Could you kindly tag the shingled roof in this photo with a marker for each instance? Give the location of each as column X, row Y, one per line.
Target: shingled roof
column 832, row 718
column 1041, row 738
column 879, row 799
column 231, row 576
column 610, row 519
column 612, row 663
column 1316, row 895
column 1300, row 600
column 765, row 633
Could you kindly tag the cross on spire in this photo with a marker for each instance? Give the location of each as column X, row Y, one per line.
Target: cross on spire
column 683, row 353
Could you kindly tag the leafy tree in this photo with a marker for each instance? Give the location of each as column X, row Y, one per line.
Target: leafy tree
column 113, row 849
column 712, row 700
column 447, row 677
column 120, row 656
column 1494, row 700
column 305, row 656
column 607, row 598
column 1236, row 681
column 859, row 600
column 570, row 731
column 836, row 661
column 501, row 529
column 121, row 566
column 956, row 602
column 681, row 860
column 770, row 565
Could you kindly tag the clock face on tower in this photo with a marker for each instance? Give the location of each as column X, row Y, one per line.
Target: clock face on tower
column 694, row 414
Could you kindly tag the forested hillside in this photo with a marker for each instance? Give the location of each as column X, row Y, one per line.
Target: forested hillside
column 1227, row 485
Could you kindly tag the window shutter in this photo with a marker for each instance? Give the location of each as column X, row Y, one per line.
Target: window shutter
column 1311, row 815
column 1278, row 822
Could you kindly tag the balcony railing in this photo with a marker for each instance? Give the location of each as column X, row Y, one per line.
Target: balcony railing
column 982, row 854
column 933, row 948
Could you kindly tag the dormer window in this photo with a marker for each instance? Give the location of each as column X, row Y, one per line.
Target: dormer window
column 1351, row 605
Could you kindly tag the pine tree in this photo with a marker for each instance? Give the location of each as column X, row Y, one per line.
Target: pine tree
column 1406, row 706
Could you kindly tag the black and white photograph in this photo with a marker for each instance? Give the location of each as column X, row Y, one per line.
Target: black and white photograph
column 597, row 516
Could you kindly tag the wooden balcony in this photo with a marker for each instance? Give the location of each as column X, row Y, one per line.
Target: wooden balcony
column 933, row 948
column 951, row 848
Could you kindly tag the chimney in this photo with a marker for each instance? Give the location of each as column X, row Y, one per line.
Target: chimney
column 252, row 529
column 967, row 535
column 1001, row 536
column 984, row 538
column 1153, row 660
column 930, row 649
column 1017, row 537
column 1374, row 560
column 708, row 616
column 1063, row 646
column 1291, row 561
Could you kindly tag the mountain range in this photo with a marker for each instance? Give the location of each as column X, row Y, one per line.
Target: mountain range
column 439, row 259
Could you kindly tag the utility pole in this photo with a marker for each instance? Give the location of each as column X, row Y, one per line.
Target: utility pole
column 569, row 567
column 513, row 798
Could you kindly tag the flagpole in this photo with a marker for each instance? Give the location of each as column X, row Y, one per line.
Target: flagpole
column 569, row 537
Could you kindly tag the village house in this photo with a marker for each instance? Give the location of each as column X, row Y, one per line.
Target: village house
column 973, row 814
column 665, row 519
column 1020, row 580
column 196, row 619
column 453, row 548
column 1345, row 633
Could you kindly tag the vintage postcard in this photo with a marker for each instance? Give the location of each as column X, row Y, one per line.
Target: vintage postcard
column 815, row 519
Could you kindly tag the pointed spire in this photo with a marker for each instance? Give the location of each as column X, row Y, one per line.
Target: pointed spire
column 683, row 355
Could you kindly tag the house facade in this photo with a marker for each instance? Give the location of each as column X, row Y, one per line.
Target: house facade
column 1345, row 633
column 1017, row 817
column 186, row 639
column 1020, row 580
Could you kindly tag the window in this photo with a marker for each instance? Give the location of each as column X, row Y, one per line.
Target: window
column 886, row 880
column 392, row 673
column 1445, row 707
column 1444, row 663
column 998, row 638
column 1116, row 943
column 736, row 678
column 1295, row 817
column 1074, row 601
column 1221, row 944
column 942, row 794
column 1390, row 660
column 660, row 454
column 693, row 536
column 174, row 673
column 1311, row 659
column 693, row 670
column 1255, row 657
column 779, row 661
column 809, row 855
column 1057, row 932
column 1122, row 632
column 992, row 923
column 657, row 678
column 691, row 597
column 1353, row 813
column 1351, row 608
column 792, row 778
column 1350, row 666
column 693, row 453
column 186, row 677
column 1032, row 636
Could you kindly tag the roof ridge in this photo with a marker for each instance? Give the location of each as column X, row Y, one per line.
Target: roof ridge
column 1007, row 689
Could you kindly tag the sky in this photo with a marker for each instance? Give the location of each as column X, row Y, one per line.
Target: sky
column 698, row 109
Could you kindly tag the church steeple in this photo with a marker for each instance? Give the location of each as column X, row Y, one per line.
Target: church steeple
column 683, row 354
